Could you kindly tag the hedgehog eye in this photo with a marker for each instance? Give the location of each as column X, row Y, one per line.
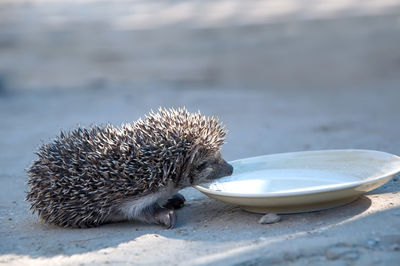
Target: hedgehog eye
column 201, row 167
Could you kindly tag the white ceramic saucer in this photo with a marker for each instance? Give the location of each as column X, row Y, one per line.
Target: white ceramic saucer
column 303, row 181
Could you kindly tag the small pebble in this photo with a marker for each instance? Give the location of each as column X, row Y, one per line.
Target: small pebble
column 269, row 218
column 395, row 247
column 373, row 243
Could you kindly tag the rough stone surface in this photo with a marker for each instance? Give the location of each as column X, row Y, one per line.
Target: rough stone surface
column 282, row 75
column 341, row 252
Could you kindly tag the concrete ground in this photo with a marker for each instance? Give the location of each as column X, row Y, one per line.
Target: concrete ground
column 282, row 75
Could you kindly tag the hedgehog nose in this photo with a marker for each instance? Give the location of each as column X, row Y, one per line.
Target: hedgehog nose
column 229, row 168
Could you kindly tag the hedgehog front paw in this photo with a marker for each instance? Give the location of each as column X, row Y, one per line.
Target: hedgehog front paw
column 165, row 217
column 175, row 202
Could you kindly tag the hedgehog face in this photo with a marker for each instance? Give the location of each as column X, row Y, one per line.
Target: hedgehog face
column 205, row 169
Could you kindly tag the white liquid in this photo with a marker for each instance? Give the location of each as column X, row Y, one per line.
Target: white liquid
column 279, row 180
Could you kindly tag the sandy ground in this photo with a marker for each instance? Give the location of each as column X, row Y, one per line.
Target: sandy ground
column 292, row 78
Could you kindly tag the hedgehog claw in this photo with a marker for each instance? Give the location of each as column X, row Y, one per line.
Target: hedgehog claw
column 175, row 202
column 166, row 217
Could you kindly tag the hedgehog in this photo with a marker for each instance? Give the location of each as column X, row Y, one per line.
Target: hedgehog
column 102, row 174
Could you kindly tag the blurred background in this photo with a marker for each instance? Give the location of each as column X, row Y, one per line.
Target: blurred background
column 282, row 75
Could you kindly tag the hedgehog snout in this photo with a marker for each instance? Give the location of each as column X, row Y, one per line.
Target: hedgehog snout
column 223, row 169
column 228, row 168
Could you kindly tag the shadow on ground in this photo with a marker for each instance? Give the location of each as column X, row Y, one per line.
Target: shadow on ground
column 203, row 220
